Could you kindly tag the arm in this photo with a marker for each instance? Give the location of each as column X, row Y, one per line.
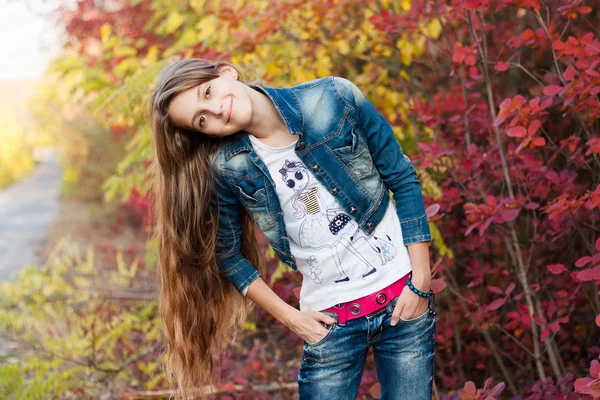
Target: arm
column 260, row 293
column 230, row 260
column 246, row 279
column 393, row 166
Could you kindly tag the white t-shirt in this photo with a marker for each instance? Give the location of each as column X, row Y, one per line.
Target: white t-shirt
column 338, row 260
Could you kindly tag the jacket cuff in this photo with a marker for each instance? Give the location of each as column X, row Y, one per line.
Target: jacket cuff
column 241, row 275
column 416, row 230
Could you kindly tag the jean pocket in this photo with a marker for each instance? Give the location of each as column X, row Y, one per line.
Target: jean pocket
column 418, row 317
column 324, row 338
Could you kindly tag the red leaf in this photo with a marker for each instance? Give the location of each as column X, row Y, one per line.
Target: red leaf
column 558, row 45
column 495, row 289
column 501, row 66
column 557, row 269
column 375, row 391
column 532, row 205
column 590, row 274
column 569, row 73
column 510, row 214
column 437, row 285
column 598, row 319
column 584, row 9
column 510, row 288
column 533, row 127
column 598, row 244
column 432, row 210
column 496, row 304
column 545, row 333
column 470, row 388
column 539, row 141
column 551, row 90
column 584, row 260
column 595, row 369
column 517, row 131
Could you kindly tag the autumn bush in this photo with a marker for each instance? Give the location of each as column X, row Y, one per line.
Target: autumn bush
column 16, row 151
column 496, row 103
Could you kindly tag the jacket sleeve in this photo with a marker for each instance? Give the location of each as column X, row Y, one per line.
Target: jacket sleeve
column 236, row 268
column 393, row 166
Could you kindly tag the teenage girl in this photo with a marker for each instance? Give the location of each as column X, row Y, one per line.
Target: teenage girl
column 312, row 167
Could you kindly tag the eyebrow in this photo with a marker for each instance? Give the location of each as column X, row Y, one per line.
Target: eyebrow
column 197, row 112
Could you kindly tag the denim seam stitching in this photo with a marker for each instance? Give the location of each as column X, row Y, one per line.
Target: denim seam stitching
column 252, row 277
column 414, row 219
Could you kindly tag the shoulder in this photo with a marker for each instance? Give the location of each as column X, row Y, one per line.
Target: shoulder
column 335, row 86
column 348, row 91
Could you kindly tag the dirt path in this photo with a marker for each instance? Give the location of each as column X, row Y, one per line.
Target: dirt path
column 34, row 219
column 27, row 209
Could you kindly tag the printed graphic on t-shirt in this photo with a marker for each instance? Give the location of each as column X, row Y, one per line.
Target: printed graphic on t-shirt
column 324, row 227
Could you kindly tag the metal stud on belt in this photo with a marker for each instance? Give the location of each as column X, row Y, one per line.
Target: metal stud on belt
column 354, row 308
column 381, row 298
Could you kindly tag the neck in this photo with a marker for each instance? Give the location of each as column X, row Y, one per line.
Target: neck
column 266, row 122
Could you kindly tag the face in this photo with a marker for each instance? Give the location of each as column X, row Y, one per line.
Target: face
column 219, row 107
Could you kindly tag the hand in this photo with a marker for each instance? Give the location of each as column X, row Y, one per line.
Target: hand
column 409, row 304
column 306, row 324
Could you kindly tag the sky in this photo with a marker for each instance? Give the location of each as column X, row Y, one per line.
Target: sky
column 27, row 39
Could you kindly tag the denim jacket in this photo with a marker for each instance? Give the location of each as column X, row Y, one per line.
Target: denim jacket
column 348, row 146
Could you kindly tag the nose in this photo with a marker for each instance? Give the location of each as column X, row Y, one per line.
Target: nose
column 216, row 108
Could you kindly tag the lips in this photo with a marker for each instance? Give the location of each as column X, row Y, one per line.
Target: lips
column 230, row 110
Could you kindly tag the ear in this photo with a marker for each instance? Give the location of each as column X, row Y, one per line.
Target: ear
column 226, row 69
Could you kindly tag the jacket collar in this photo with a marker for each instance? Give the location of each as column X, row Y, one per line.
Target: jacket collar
column 286, row 102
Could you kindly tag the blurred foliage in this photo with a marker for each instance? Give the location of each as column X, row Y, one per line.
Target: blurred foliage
column 79, row 330
column 16, row 150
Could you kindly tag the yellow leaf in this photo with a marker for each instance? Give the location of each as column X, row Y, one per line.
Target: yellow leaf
column 281, row 268
column 206, row 28
column 406, row 4
column 250, row 326
column 342, row 46
column 105, row 32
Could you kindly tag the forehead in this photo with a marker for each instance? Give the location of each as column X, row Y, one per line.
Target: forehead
column 181, row 107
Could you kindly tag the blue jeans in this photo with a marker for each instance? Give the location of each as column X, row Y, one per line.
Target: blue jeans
column 332, row 367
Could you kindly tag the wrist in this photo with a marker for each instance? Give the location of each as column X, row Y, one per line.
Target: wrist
column 289, row 316
column 421, row 281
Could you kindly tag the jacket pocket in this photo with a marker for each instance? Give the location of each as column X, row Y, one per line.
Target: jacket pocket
column 256, row 204
column 355, row 154
column 252, row 199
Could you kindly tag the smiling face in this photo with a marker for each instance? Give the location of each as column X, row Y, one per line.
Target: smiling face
column 219, row 107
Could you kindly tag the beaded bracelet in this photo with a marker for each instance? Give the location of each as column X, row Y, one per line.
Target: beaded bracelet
column 417, row 291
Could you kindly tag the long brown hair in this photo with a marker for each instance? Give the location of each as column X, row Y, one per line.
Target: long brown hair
column 199, row 308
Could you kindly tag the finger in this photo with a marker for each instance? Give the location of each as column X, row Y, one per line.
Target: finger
column 325, row 318
column 396, row 313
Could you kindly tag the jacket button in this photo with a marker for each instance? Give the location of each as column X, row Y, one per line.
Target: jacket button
column 315, row 168
column 369, row 225
column 334, row 191
column 353, row 210
column 302, row 145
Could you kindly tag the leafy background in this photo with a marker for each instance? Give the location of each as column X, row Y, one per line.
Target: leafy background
column 496, row 103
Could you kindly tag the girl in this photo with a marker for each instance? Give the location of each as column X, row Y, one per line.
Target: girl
column 311, row 166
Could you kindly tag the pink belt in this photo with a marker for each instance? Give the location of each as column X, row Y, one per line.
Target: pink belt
column 368, row 304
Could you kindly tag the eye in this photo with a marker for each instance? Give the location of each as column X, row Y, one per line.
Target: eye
column 291, row 183
column 201, row 119
column 298, row 175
